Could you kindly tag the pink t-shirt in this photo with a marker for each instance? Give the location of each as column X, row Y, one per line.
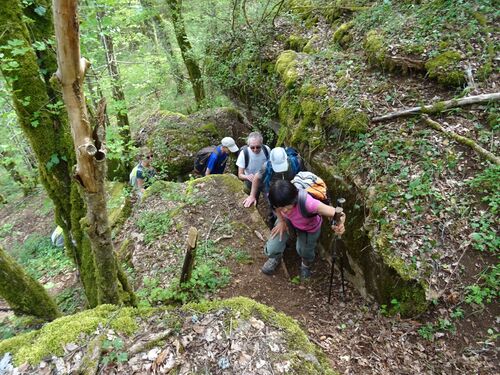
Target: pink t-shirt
column 306, row 224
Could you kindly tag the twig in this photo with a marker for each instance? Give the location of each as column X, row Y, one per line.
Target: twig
column 463, row 140
column 211, row 226
column 223, row 237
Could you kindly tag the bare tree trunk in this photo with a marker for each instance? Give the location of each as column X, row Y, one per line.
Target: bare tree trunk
column 440, row 106
column 89, row 147
column 23, row 293
column 192, row 67
column 116, row 88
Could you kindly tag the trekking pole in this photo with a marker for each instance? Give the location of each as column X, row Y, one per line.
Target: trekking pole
column 336, row 218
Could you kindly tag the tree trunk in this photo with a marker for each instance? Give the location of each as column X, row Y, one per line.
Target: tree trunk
column 192, row 67
column 158, row 24
column 90, row 150
column 116, row 89
column 45, row 128
column 24, row 294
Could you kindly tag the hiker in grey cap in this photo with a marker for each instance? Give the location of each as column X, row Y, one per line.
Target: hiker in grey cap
column 251, row 159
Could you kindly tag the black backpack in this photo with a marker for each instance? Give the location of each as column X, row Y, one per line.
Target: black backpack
column 246, row 154
column 201, row 159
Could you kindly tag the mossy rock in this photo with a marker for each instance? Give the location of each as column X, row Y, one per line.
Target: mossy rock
column 341, row 36
column 305, row 357
column 295, row 43
column 32, row 347
column 175, row 140
column 375, row 48
column 445, row 68
column 302, row 8
column 346, row 118
column 286, row 66
column 310, row 46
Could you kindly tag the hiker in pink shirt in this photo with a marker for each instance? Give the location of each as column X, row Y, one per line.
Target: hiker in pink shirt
column 283, row 196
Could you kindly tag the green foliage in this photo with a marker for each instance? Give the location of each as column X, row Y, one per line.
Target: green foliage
column 208, row 275
column 114, row 353
column 488, row 291
column 154, row 224
column 485, row 237
column 243, row 257
column 14, row 325
column 458, row 313
column 429, row 330
column 39, row 257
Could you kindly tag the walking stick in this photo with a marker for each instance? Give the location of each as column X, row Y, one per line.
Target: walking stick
column 336, row 218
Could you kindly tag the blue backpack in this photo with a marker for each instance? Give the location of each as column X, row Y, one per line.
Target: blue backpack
column 295, row 165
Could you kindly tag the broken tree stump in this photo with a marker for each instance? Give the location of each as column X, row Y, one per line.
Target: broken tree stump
column 187, row 267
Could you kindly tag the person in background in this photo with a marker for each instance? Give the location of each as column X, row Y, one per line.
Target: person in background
column 216, row 162
column 251, row 159
column 143, row 173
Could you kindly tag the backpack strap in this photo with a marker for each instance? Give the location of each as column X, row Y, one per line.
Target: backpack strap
column 302, row 197
column 246, row 155
column 268, row 176
column 266, row 151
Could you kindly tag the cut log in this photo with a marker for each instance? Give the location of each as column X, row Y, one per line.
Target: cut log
column 462, row 140
column 187, row 267
column 440, row 106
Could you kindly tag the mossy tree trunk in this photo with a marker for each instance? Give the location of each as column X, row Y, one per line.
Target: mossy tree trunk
column 24, row 294
column 156, row 22
column 192, row 67
column 43, row 121
column 90, row 153
column 116, row 90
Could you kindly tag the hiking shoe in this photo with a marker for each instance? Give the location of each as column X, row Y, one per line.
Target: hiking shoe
column 305, row 272
column 270, row 266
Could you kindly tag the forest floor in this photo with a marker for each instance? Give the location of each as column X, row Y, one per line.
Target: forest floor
column 354, row 333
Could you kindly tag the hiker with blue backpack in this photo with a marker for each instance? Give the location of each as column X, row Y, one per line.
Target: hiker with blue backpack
column 283, row 164
column 251, row 158
column 143, row 173
column 212, row 159
column 298, row 211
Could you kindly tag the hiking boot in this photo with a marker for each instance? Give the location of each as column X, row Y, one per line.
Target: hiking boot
column 305, row 272
column 270, row 266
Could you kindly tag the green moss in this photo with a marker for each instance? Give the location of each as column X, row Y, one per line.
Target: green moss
column 445, row 69
column 210, row 128
column 303, row 8
column 32, row 347
column 309, row 47
column 23, row 293
column 339, row 36
column 229, row 181
column 375, row 48
column 286, row 66
column 295, row 43
column 346, row 118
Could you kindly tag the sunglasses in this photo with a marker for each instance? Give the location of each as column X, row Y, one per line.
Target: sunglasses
column 149, row 156
column 255, row 147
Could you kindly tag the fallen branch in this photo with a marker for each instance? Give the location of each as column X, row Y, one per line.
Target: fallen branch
column 440, row 106
column 463, row 140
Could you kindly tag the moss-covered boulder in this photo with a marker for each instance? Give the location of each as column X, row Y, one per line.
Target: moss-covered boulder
column 445, row 68
column 175, row 138
column 143, row 334
column 341, row 35
column 295, row 43
column 286, row 66
column 375, row 48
